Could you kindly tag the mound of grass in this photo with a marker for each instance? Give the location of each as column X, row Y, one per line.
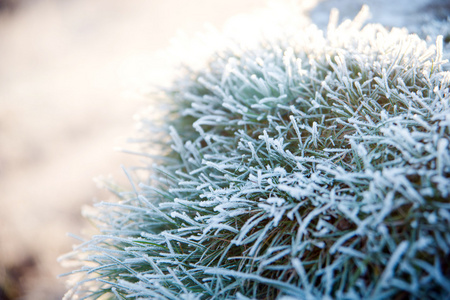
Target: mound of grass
column 307, row 167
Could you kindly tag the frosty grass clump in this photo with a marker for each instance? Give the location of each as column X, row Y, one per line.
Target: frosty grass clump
column 310, row 166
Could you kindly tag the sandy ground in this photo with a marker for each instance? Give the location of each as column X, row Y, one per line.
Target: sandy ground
column 68, row 69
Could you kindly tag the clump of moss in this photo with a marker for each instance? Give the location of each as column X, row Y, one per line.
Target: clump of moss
column 308, row 167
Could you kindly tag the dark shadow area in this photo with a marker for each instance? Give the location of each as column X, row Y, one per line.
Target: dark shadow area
column 12, row 281
column 9, row 6
column 440, row 9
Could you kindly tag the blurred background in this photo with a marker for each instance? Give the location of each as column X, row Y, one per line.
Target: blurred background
column 72, row 75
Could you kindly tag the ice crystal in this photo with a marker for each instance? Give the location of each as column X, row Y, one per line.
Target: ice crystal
column 310, row 166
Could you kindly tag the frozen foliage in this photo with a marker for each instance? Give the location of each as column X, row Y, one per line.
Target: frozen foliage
column 435, row 28
column 309, row 167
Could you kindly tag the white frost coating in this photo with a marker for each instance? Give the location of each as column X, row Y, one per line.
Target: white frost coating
column 393, row 262
column 301, row 166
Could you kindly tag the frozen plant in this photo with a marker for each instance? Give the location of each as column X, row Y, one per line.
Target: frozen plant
column 435, row 28
column 310, row 166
